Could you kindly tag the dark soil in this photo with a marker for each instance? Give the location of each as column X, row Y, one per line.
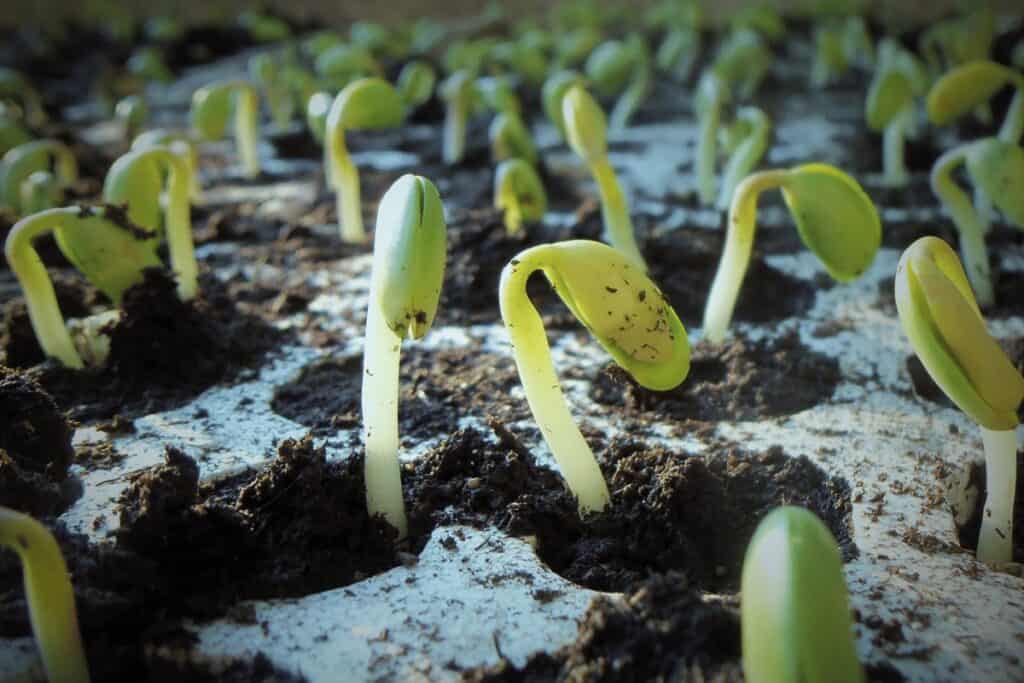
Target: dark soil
column 18, row 341
column 968, row 534
column 736, row 381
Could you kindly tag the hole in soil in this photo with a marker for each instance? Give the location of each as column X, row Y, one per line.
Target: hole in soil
column 738, row 380
column 968, row 527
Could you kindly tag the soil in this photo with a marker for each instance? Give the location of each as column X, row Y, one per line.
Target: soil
column 968, row 534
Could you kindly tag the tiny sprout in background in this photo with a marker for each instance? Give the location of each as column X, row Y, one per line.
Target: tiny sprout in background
column 365, row 104
column 970, row 85
column 835, row 219
column 498, row 94
column 627, row 314
column 712, row 93
column 131, row 112
column 795, row 610
column 267, row 73
column 554, row 89
column 993, row 165
column 340, row 65
column 458, row 92
column 264, row 28
column 947, row 44
column 586, row 130
column 857, row 45
column 50, row 596
column 510, row 139
column 408, row 270
column 761, row 20
column 678, row 52
column 574, row 45
column 742, row 61
column 889, row 109
column 945, row 328
column 623, row 68
column 212, row 105
column 148, row 64
column 15, row 88
column 519, row 192
column 182, row 145
column 830, row 57
column 21, row 162
column 416, row 83
column 751, row 132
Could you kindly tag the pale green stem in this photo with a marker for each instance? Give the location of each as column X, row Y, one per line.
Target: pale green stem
column 618, row 226
column 739, row 241
column 1013, row 124
column 894, row 167
column 973, row 252
column 344, row 177
column 40, row 298
column 513, row 217
column 543, row 392
column 178, row 223
column 381, row 355
column 51, row 599
column 706, row 153
column 454, row 137
column 247, row 129
column 744, row 158
column 995, row 543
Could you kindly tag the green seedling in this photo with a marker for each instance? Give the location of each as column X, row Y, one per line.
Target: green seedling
column 416, row 82
column 857, row 45
column 742, row 61
column 587, row 133
column 950, row 43
column 678, row 52
column 50, row 596
column 131, row 112
column 41, row 190
column 671, row 14
column 365, row 104
column 944, row 325
column 182, row 145
column 498, row 93
column 761, row 19
column 627, row 314
column 574, row 45
column 889, row 109
column 751, row 132
column 974, row 83
column 835, row 218
column 212, row 105
column 21, row 162
column 405, row 287
column 712, row 94
column 519, row 193
column 15, row 88
column 136, row 181
column 148, row 64
column 830, row 57
column 342, row 64
column 458, row 92
column 993, row 165
column 265, row 71
column 467, row 55
column 12, row 133
column 264, row 28
column 552, row 93
column 796, row 621
column 523, row 59
column 377, row 39
column 621, row 68
column 510, row 139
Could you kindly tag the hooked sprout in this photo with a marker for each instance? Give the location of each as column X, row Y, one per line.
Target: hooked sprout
column 993, row 165
column 405, row 287
column 211, row 108
column 889, row 109
column 830, row 57
column 974, row 83
column 21, row 162
column 621, row 67
column 944, row 325
column 50, row 596
column 343, row 63
column 712, row 93
column 554, row 90
column 457, row 91
column 754, row 128
column 368, row 103
column 627, row 314
column 833, row 215
column 519, row 192
column 182, row 145
column 741, row 61
column 678, row 52
column 510, row 138
column 586, row 130
column 795, row 610
column 416, row 82
column 265, row 71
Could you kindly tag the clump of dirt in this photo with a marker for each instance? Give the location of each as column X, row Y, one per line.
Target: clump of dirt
column 737, row 380
column 18, row 340
column 968, row 532
column 661, row 630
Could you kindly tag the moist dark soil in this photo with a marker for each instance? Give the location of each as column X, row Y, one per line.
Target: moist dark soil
column 18, row 341
column 968, row 533
column 736, row 381
column 163, row 351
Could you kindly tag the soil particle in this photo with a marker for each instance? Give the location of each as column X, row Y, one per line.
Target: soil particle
column 661, row 630
column 968, row 533
column 738, row 380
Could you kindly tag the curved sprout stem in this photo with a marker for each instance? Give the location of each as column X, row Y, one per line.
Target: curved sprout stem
column 51, row 598
column 995, row 543
column 739, row 241
column 247, row 129
column 973, row 252
column 618, row 226
column 543, row 393
column 344, row 178
column 894, row 166
column 43, row 310
column 178, row 224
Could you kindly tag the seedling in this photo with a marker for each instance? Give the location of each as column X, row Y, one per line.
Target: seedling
column 148, row 64
column 751, row 131
column 969, row 85
column 264, row 28
column 759, row 19
column 857, row 45
column 519, row 192
column 211, row 108
column 993, row 166
column 621, row 68
column 889, row 109
column 498, row 94
column 457, row 91
column 552, row 93
column 678, row 52
column 586, row 129
column 835, row 219
column 405, row 287
column 24, row 160
column 342, row 64
column 712, row 93
column 182, row 145
column 131, row 112
column 50, row 596
column 944, row 325
column 523, row 59
column 14, row 87
column 830, row 57
column 742, row 60
column 628, row 315
column 950, row 43
column 416, row 83
column 510, row 138
column 265, row 71
column 795, row 610
column 368, row 103
column 574, row 45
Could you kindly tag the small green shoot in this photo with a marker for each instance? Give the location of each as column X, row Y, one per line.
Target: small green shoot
column 458, row 92
column 972, row 84
column 266, row 72
column 621, row 67
column 519, row 193
column 148, row 64
column 742, row 61
column 830, row 57
column 678, row 52
column 211, row 108
column 753, row 128
column 21, row 162
column 889, row 109
column 712, row 93
column 131, row 112
column 416, row 83
column 510, row 139
column 182, row 145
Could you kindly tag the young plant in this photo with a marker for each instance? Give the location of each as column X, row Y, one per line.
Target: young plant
column 712, row 93
column 416, row 83
column 627, row 314
column 830, row 58
column 148, row 64
column 742, row 61
column 211, row 108
column 368, row 103
column 340, row 65
column 50, row 596
column 751, row 132
column 405, row 287
column 14, row 87
column 510, row 139
column 795, row 611
column 458, row 92
column 889, row 109
column 944, row 325
column 623, row 68
column 678, row 52
column 519, row 192
column 265, row 71
column 182, row 145
column 993, row 165
column 835, row 219
column 21, row 162
column 586, row 129
column 857, row 45
column 969, row 85
column 554, row 89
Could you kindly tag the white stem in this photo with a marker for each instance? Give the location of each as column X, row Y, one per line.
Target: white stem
column 893, row 162
column 995, row 544
column 381, row 355
column 454, row 142
column 618, row 226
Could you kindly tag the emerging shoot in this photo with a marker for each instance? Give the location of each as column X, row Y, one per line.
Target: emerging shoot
column 945, row 328
column 712, row 92
column 972, row 84
column 21, row 162
column 408, row 270
column 835, row 219
column 510, row 138
column 519, row 192
column 889, row 110
column 211, row 108
column 627, row 314
column 755, row 128
column 416, row 83
column 458, row 92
